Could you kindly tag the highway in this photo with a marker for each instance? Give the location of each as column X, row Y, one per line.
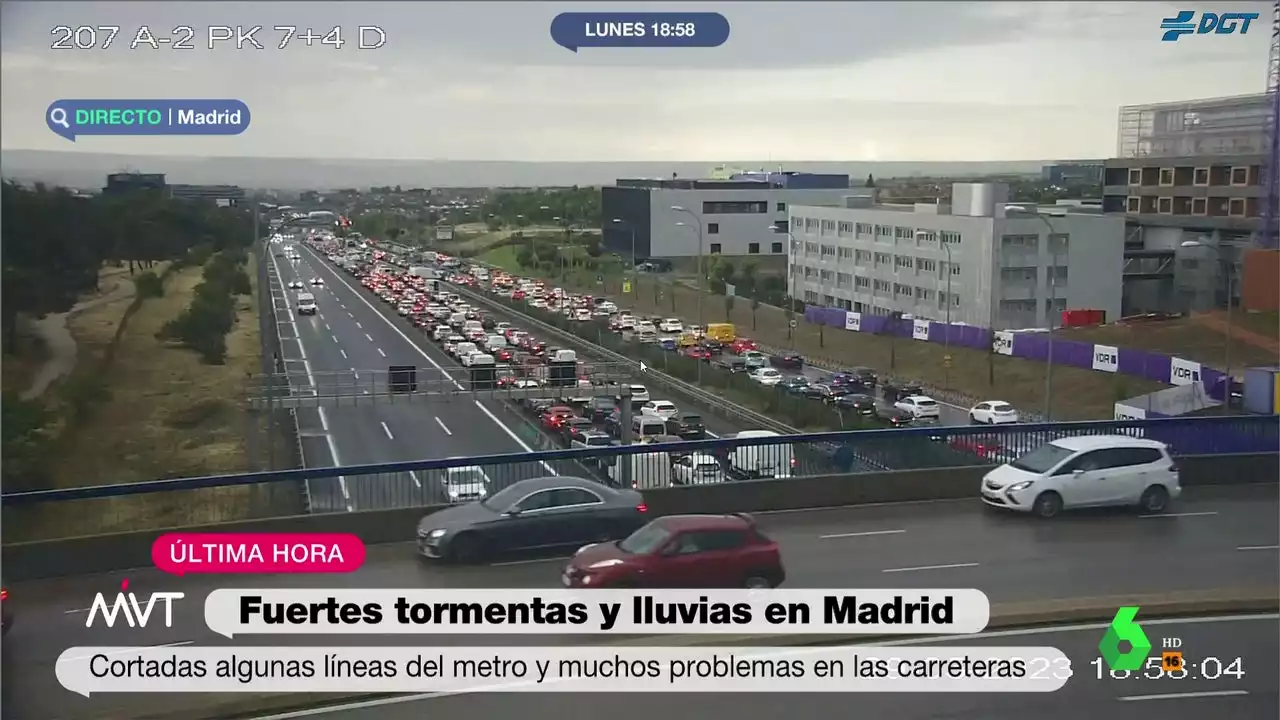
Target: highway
column 1255, row 640
column 1214, row 538
column 348, row 336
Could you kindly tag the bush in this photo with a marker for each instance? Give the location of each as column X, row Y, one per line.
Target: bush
column 203, row 326
column 148, row 285
column 22, row 430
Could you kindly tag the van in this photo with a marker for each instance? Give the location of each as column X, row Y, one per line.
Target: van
column 646, row 426
column 724, row 332
column 761, row 461
column 649, row 471
column 471, row 325
column 564, row 356
column 306, row 304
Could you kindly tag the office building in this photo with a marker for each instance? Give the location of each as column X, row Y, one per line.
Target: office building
column 976, row 260
column 1072, row 173
column 125, row 183
column 130, row 182
column 734, row 214
column 221, row 194
column 1187, row 173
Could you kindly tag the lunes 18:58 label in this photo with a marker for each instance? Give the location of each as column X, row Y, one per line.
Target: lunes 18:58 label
column 639, row 30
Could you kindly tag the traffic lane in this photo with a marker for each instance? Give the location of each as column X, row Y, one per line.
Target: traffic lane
column 818, row 553
column 395, row 335
column 1253, row 640
column 948, row 415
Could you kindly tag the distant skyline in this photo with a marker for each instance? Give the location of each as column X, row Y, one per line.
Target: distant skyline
column 869, row 82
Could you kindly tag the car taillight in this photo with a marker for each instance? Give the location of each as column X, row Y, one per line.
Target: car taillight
column 4, row 594
column 793, row 462
column 642, row 508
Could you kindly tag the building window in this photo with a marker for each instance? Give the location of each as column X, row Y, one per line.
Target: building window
column 1135, row 176
column 1200, row 178
column 775, row 248
column 781, row 226
column 753, row 207
column 1164, row 206
column 1239, row 176
column 1235, row 207
column 844, row 229
column 1133, row 204
column 883, row 258
column 884, row 232
column 1059, row 244
column 955, row 268
column 715, row 248
column 797, row 223
column 923, row 265
column 828, row 227
column 753, row 248
column 782, row 207
column 902, row 262
column 949, row 238
column 713, row 228
column 1199, row 206
column 861, row 282
column 925, row 237
column 1019, row 242
column 1166, row 177
column 862, row 229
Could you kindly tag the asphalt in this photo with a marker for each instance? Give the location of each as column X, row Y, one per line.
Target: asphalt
column 348, row 345
column 1253, row 640
column 1214, row 538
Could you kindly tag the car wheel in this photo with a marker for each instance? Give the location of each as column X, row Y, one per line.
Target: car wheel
column 1154, row 500
column 973, row 420
column 1048, row 504
column 757, row 582
column 466, row 549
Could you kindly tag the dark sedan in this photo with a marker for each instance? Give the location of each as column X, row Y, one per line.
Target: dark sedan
column 861, row 404
column 787, row 361
column 535, row 514
column 794, row 384
column 825, row 393
column 687, row 426
column 600, row 408
column 893, row 416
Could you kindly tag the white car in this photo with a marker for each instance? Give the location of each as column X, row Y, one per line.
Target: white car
column 582, row 315
column 317, row 281
column 465, row 484
column 404, row 309
column 451, row 343
column 671, row 325
column 639, row 395
column 993, row 412
column 664, row 409
column 766, row 376
column 296, row 285
column 470, row 357
column 525, row 383
column 440, row 332
column 921, row 407
column 697, row 469
column 1085, row 471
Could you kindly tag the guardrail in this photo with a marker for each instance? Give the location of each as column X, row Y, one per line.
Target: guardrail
column 110, row 508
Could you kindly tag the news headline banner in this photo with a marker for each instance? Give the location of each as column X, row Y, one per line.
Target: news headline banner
column 293, row 611
column 89, row 670
column 71, row 118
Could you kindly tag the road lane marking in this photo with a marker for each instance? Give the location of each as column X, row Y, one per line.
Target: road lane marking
column 127, row 651
column 326, row 325
column 349, row 313
column 347, row 707
column 355, row 373
column 443, row 427
column 929, row 567
column 1177, row 515
column 77, row 610
column 367, row 335
column 387, row 430
column 324, row 417
column 335, row 338
column 344, row 353
column 1184, row 695
column 445, row 373
column 1245, row 548
column 869, row 533
column 359, row 325
column 414, row 474
column 535, row 561
column 381, row 353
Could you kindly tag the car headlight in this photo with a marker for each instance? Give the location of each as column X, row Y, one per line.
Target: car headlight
column 438, row 532
column 604, row 564
column 1019, row 486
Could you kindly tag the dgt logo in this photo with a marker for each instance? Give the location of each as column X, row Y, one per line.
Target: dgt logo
column 127, row 604
column 1219, row 24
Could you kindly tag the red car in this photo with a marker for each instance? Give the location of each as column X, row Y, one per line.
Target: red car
column 555, row 416
column 504, row 355
column 682, row 551
column 697, row 353
column 741, row 345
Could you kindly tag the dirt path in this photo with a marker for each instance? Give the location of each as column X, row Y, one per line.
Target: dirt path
column 1217, row 321
column 58, row 342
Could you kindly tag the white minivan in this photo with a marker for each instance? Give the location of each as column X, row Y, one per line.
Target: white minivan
column 762, row 461
column 1085, row 471
column 306, row 304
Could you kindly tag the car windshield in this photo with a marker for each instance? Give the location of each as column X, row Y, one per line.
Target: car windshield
column 1042, row 459
column 645, row 541
column 465, row 476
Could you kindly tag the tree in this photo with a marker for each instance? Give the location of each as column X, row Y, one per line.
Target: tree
column 871, row 181
column 755, row 305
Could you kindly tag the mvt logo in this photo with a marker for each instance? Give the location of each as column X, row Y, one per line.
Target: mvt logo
column 135, row 613
column 1217, row 23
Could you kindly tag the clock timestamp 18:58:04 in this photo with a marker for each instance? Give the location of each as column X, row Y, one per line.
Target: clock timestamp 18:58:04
column 1158, row 668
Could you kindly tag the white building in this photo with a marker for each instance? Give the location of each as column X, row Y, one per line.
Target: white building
column 978, row 261
column 734, row 215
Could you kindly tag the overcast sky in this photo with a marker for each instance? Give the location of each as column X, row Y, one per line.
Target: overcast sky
column 484, row 81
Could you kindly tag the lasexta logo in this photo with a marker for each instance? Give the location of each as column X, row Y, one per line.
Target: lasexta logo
column 1124, row 630
column 1184, row 23
column 135, row 613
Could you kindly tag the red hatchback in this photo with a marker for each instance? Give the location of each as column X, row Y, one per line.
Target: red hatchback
column 682, row 551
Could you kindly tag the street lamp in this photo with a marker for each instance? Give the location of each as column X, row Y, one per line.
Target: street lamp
column 1053, row 301
column 922, row 236
column 701, row 270
column 1230, row 270
column 632, row 231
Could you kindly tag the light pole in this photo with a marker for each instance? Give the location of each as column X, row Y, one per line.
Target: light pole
column 631, row 271
column 1053, row 301
column 1230, row 270
column 701, row 270
column 921, row 236
column 793, row 250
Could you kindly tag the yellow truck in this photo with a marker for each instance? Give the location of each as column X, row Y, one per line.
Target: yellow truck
column 724, row 332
